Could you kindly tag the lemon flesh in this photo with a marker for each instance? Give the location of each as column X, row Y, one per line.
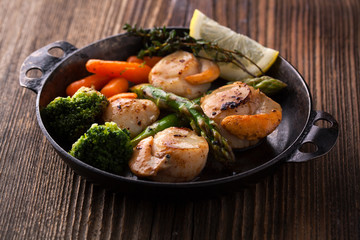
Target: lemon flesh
column 202, row 27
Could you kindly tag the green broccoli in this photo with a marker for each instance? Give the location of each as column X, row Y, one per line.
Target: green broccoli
column 106, row 147
column 67, row 118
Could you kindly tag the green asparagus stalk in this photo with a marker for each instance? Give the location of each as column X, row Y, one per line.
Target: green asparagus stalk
column 268, row 85
column 200, row 123
column 171, row 120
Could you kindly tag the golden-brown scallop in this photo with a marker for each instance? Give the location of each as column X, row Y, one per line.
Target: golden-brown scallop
column 132, row 114
column 245, row 115
column 172, row 155
column 183, row 74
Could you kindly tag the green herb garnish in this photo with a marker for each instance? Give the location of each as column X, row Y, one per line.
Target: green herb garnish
column 160, row 42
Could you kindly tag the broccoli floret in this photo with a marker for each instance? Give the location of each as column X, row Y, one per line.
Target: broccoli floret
column 67, row 118
column 106, row 147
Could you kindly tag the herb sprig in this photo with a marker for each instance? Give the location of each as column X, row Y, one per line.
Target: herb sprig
column 160, row 42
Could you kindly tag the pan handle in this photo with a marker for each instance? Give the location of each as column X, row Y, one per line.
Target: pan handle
column 319, row 140
column 41, row 63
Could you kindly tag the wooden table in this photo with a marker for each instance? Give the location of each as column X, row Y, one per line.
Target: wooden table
column 42, row 198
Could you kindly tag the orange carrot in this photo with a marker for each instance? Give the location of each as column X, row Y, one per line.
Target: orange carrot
column 73, row 87
column 150, row 61
column 94, row 81
column 133, row 72
column 135, row 59
column 115, row 86
column 122, row 95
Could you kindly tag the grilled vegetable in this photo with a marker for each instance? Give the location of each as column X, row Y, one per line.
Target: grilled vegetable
column 93, row 81
column 131, row 71
column 150, row 61
column 115, row 86
column 268, row 85
column 68, row 118
column 106, row 147
column 171, row 120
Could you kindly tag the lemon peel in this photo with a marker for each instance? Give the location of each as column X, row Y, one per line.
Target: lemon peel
column 203, row 27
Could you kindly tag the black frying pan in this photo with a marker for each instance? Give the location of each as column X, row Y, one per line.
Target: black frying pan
column 296, row 130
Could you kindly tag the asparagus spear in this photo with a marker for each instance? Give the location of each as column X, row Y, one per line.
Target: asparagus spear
column 266, row 84
column 193, row 112
column 171, row 120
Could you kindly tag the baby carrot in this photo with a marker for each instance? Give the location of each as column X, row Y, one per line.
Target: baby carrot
column 133, row 72
column 123, row 95
column 150, row 61
column 115, row 86
column 94, row 81
column 135, row 59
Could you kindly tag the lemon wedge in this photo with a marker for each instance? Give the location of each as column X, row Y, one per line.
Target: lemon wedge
column 202, row 27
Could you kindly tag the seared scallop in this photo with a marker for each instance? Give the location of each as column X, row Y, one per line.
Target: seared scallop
column 172, row 155
column 133, row 114
column 183, row 74
column 245, row 115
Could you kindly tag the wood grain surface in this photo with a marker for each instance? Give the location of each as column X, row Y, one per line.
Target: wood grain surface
column 42, row 198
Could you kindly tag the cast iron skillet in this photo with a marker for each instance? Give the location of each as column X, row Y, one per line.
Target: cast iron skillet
column 283, row 145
